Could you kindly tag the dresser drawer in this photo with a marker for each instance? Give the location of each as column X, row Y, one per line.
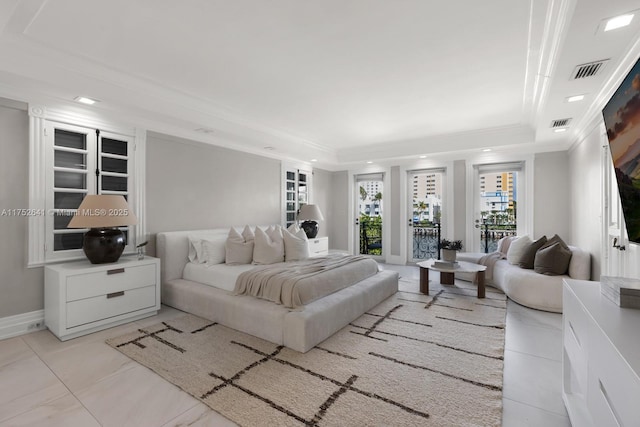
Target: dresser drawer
column 613, row 386
column 102, row 307
column 104, row 282
column 575, row 322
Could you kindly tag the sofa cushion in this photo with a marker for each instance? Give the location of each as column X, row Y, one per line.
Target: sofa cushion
column 529, row 254
column 517, row 248
column 552, row 260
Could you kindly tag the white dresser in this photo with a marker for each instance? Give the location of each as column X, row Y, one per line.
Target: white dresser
column 80, row 297
column 601, row 358
column 319, row 246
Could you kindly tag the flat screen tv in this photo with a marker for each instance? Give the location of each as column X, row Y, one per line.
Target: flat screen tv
column 622, row 119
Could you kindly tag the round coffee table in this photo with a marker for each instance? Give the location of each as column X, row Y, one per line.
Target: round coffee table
column 447, row 274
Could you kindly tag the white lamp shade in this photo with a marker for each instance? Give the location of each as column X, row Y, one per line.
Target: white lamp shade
column 310, row 213
column 103, row 211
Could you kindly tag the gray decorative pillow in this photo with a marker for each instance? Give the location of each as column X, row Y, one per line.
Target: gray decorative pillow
column 553, row 260
column 529, row 254
column 555, row 239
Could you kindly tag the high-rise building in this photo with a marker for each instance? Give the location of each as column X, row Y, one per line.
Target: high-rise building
column 498, row 190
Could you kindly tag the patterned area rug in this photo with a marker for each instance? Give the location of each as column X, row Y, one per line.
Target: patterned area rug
column 413, row 360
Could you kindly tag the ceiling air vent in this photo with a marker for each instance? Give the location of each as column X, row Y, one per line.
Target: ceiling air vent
column 560, row 123
column 588, row 70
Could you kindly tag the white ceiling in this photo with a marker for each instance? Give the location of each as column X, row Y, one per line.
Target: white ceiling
column 341, row 81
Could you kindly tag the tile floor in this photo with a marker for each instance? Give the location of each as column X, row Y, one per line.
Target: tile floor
column 84, row 382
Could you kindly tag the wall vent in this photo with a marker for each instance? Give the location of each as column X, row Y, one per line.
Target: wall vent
column 588, row 70
column 560, row 123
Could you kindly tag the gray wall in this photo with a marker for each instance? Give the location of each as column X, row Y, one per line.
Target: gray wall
column 21, row 288
column 552, row 195
column 460, row 202
column 586, row 198
column 396, row 222
column 192, row 185
column 322, row 198
column 339, row 226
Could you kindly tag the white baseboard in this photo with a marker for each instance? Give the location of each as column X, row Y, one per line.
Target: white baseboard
column 21, row 324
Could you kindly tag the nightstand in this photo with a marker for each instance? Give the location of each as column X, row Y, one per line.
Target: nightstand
column 80, row 297
column 319, row 246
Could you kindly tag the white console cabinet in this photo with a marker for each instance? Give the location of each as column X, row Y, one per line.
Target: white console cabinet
column 601, row 358
column 80, row 297
column 319, row 246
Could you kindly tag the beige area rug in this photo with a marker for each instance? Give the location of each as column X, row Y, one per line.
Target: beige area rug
column 413, row 360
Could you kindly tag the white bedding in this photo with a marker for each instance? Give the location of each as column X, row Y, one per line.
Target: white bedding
column 221, row 276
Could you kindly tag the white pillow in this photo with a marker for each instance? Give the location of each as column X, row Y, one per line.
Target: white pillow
column 269, row 246
column 237, row 249
column 195, row 250
column 293, row 228
column 517, row 248
column 296, row 245
column 214, row 250
column 247, row 234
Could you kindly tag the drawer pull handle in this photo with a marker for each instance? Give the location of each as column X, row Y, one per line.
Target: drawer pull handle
column 115, row 271
column 575, row 335
column 608, row 402
column 115, row 294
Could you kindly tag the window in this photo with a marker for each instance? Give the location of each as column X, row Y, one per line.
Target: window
column 68, row 162
column 296, row 191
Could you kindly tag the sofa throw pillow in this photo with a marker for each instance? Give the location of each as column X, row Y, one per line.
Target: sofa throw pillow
column 195, row 251
column 517, row 248
column 503, row 245
column 214, row 250
column 296, row 245
column 269, row 246
column 552, row 260
column 237, row 249
column 529, row 254
column 555, row 239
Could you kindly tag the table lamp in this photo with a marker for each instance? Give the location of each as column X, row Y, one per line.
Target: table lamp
column 310, row 214
column 102, row 215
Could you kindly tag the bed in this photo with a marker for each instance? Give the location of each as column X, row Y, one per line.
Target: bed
column 185, row 287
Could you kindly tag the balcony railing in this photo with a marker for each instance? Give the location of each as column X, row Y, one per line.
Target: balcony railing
column 491, row 233
column 425, row 241
column 426, row 238
column 370, row 238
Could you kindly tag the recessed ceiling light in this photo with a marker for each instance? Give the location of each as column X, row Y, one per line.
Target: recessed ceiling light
column 486, row 150
column 575, row 98
column 618, row 22
column 369, row 162
column 560, row 130
column 423, row 157
column 85, row 100
column 314, row 160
